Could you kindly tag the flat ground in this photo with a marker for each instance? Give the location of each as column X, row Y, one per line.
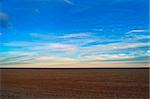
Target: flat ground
column 74, row 83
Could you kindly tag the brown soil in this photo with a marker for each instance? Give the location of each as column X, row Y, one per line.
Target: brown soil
column 74, row 83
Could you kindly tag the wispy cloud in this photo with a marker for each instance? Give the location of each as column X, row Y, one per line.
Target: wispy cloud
column 22, row 58
column 88, row 60
column 98, row 29
column 3, row 20
column 22, row 44
column 55, row 59
column 115, row 46
column 66, row 36
column 62, row 47
column 141, row 37
column 43, row 36
column 102, row 57
column 57, row 47
column 75, row 35
column 69, row 2
column 135, row 35
column 43, row 46
column 137, row 31
column 80, row 38
column 15, row 58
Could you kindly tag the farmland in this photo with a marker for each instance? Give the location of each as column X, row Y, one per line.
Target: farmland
column 74, row 83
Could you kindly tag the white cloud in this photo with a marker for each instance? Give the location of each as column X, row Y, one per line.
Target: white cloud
column 102, row 57
column 43, row 36
column 57, row 47
column 37, row 10
column 80, row 38
column 4, row 21
column 142, row 37
column 3, row 16
column 135, row 38
column 135, row 35
column 75, row 35
column 71, row 45
column 114, row 47
column 64, row 47
column 43, row 46
column 66, row 36
column 22, row 44
column 137, row 31
column 98, row 30
column 69, row 2
column 16, row 57
column 55, row 59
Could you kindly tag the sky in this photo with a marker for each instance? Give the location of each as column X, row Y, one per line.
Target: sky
column 74, row 33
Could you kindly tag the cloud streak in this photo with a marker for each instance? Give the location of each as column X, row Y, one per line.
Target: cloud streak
column 137, row 31
column 4, row 20
column 71, row 50
column 69, row 2
column 75, row 35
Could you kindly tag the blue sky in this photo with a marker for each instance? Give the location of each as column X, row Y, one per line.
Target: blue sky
column 74, row 33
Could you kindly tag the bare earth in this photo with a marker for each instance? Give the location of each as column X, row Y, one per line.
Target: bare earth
column 74, row 84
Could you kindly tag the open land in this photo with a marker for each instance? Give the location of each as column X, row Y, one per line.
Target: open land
column 74, row 83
